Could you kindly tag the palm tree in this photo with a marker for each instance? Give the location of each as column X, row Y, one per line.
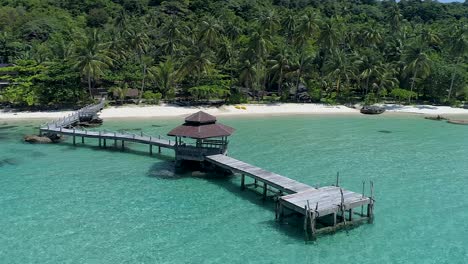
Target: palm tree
column 307, row 28
column 138, row 42
column 172, row 35
column 210, row 32
column 92, row 58
column 418, row 62
column 165, row 76
column 328, row 38
column 259, row 47
column 289, row 25
column 280, row 65
column 269, row 21
column 338, row 68
column 386, row 77
column 458, row 48
column 197, row 62
column 247, row 74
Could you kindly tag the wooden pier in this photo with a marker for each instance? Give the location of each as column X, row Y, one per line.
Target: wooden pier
column 323, row 209
column 65, row 126
column 315, row 204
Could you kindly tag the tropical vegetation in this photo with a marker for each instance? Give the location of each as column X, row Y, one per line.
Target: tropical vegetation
column 59, row 52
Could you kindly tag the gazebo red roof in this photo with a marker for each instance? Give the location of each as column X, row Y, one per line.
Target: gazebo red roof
column 200, row 126
column 200, row 117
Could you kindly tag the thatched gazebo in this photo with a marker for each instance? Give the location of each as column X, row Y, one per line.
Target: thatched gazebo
column 205, row 137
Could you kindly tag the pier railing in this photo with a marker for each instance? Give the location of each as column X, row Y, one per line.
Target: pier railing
column 91, row 109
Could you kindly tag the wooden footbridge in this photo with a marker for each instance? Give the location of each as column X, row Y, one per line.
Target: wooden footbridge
column 324, row 209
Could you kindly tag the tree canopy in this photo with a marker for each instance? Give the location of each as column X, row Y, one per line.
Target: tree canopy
column 297, row 50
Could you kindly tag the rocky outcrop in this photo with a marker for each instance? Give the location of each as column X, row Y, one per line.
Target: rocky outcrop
column 46, row 139
column 372, row 110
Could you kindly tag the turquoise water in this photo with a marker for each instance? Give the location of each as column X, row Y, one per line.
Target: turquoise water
column 65, row 204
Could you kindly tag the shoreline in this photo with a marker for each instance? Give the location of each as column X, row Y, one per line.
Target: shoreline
column 251, row 110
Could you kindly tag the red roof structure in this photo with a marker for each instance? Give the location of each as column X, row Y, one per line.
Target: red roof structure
column 200, row 126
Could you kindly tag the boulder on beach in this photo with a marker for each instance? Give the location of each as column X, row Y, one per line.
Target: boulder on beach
column 372, row 110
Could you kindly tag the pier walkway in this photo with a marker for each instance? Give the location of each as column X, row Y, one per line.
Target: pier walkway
column 65, row 126
column 300, row 198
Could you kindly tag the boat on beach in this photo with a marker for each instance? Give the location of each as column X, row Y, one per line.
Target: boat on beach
column 458, row 122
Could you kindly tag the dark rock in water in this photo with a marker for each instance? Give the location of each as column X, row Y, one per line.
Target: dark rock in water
column 8, row 161
column 37, row 139
column 385, row 131
column 437, row 118
column 157, row 125
column 95, row 122
column 50, row 138
column 372, row 110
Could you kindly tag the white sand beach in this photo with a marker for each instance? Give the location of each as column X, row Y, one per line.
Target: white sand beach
column 164, row 110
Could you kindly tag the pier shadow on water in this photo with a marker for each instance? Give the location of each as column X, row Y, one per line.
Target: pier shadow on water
column 291, row 226
column 111, row 148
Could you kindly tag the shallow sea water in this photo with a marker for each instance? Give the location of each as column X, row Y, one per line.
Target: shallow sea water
column 65, row 204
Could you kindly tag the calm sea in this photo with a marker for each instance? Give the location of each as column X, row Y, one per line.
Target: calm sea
column 65, row 204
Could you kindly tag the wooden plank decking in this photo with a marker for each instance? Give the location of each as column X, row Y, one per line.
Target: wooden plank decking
column 277, row 181
column 127, row 137
column 303, row 199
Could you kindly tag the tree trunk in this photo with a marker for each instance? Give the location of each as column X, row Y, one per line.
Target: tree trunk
column 280, row 82
column 142, row 83
column 367, row 85
column 412, row 84
column 451, row 86
column 299, row 73
column 337, row 88
column 89, row 86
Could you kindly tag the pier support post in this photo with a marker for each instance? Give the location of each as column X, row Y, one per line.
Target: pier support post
column 370, row 206
column 264, row 191
column 82, row 140
column 255, row 183
column 306, row 219
column 242, row 181
column 100, row 142
column 151, row 149
column 334, row 220
column 123, row 145
column 312, row 225
column 104, row 143
column 350, row 215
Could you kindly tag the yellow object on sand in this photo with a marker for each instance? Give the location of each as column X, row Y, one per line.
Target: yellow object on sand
column 243, row 108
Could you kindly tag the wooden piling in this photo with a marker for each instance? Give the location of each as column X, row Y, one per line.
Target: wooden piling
column 242, row 181
column 306, row 218
column 74, row 138
column 82, row 140
column 264, row 191
column 104, row 143
column 151, row 149
column 123, row 144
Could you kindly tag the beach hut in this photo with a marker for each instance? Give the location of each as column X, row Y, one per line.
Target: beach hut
column 200, row 136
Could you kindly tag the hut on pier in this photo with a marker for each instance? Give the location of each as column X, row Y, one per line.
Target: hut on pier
column 200, row 136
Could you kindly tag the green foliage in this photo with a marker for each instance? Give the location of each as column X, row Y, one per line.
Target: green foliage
column 152, row 98
column 342, row 50
column 402, row 94
column 208, row 92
